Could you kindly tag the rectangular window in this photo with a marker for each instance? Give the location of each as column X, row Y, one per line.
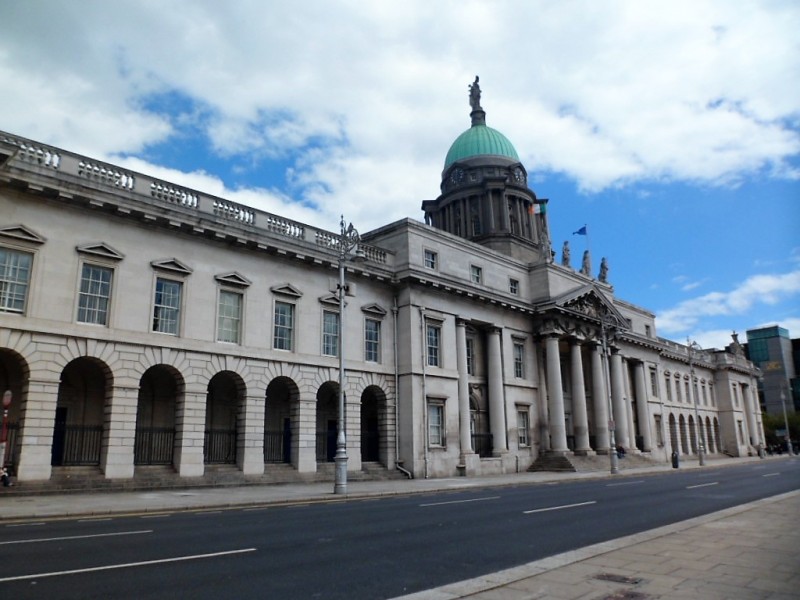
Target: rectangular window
column 430, row 259
column 167, row 306
column 519, row 360
column 436, row 435
column 659, row 432
column 372, row 340
column 283, row 326
column 687, row 392
column 475, row 274
column 513, row 286
column 470, row 356
column 734, row 391
column 678, row 389
column 15, row 277
column 229, row 319
column 434, row 340
column 653, row 383
column 668, row 385
column 648, row 331
column 705, row 394
column 95, row 294
column 523, row 427
column 330, row 333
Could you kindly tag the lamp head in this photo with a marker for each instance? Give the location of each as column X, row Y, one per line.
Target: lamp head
column 6, row 398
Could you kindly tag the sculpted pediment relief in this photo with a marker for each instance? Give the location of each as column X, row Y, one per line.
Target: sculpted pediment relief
column 590, row 302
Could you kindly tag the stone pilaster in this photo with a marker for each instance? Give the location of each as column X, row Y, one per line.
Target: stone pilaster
column 618, row 401
column 190, row 425
column 579, row 413
column 600, row 401
column 558, row 431
column 304, row 456
column 250, row 437
column 497, row 413
column 642, row 407
column 465, row 439
column 37, row 420
column 119, row 433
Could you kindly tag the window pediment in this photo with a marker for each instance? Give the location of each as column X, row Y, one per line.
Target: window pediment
column 100, row 250
column 21, row 233
column 233, row 278
column 330, row 300
column 374, row 310
column 286, row 289
column 173, row 265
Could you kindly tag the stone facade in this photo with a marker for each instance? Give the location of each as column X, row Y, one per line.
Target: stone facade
column 142, row 323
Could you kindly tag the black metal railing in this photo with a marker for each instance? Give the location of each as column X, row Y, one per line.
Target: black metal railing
column 77, row 445
column 326, row 446
column 10, row 458
column 154, row 445
column 277, row 447
column 482, row 444
column 219, row 446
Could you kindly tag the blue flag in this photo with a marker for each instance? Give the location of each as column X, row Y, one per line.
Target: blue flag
column 581, row 231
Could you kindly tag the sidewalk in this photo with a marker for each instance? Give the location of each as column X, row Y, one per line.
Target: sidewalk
column 749, row 551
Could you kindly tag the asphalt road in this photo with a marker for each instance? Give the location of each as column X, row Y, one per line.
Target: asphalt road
column 362, row 548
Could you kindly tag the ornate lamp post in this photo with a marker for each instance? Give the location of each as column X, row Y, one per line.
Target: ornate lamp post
column 606, row 323
column 4, row 427
column 348, row 250
column 693, row 346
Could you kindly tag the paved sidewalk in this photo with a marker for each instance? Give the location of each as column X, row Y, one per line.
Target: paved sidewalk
column 746, row 552
column 749, row 551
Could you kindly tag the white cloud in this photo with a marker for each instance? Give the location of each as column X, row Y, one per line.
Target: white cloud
column 758, row 289
column 605, row 94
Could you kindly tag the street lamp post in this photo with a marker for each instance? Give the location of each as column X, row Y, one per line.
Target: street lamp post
column 788, row 436
column 4, row 427
column 348, row 250
column 698, row 424
column 612, row 438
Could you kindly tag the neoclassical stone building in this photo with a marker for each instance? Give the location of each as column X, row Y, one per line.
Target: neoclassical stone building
column 143, row 323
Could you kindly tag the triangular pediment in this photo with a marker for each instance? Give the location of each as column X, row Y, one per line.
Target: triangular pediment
column 21, row 233
column 233, row 278
column 100, row 250
column 286, row 289
column 330, row 300
column 375, row 310
column 590, row 302
column 173, row 265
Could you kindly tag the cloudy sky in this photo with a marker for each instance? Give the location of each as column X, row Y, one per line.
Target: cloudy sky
column 670, row 129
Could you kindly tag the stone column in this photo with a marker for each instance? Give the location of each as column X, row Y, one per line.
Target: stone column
column 190, row 426
column 37, row 420
column 497, row 413
column 119, row 432
column 250, row 425
column 643, row 408
column 600, row 400
column 465, row 438
column 580, row 419
column 544, row 413
column 620, row 415
column 747, row 400
column 628, row 397
column 558, row 431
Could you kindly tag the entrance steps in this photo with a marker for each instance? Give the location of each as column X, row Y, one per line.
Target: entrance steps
column 572, row 463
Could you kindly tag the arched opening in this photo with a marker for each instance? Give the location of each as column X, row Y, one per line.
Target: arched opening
column 673, row 434
column 280, row 420
column 78, row 430
column 327, row 421
column 684, row 442
column 716, row 434
column 373, row 425
column 710, row 446
column 222, row 412
column 159, row 391
column 482, row 442
column 693, row 434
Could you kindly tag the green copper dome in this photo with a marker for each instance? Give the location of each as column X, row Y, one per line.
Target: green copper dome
column 480, row 140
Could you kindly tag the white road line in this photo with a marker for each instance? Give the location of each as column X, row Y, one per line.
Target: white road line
column 538, row 510
column 93, row 520
column 624, row 483
column 25, row 525
column 691, row 487
column 125, row 565
column 461, row 501
column 770, row 474
column 76, row 537
column 164, row 516
column 208, row 512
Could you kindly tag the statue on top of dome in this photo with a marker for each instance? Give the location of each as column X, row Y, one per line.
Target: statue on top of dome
column 475, row 95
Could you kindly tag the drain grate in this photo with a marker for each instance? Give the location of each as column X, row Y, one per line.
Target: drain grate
column 618, row 578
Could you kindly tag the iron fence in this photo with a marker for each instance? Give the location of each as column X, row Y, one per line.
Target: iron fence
column 277, row 447
column 154, row 445
column 219, row 446
column 482, row 444
column 77, row 445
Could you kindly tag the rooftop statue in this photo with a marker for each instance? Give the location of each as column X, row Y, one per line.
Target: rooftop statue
column 475, row 95
column 603, row 277
column 586, row 265
column 565, row 258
